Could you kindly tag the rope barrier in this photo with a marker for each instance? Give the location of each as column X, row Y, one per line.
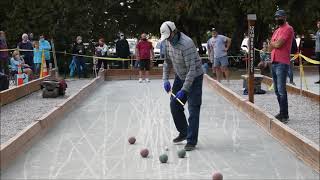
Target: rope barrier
column 295, row 56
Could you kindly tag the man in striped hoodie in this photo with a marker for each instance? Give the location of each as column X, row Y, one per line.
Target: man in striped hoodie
column 181, row 54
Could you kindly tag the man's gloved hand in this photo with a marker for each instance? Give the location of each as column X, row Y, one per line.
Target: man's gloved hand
column 167, row 86
column 182, row 96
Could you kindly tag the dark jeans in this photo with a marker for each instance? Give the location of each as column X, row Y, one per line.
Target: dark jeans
column 194, row 102
column 318, row 59
column 100, row 62
column 4, row 66
column 80, row 65
column 37, row 67
column 290, row 71
column 279, row 75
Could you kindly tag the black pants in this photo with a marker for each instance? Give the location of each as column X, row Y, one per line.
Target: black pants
column 100, row 62
column 4, row 66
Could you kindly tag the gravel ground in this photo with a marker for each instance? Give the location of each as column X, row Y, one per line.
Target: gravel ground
column 304, row 113
column 310, row 77
column 15, row 116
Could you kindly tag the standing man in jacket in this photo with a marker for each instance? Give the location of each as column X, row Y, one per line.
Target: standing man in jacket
column 26, row 49
column 123, row 50
column 4, row 55
column 181, row 54
column 79, row 49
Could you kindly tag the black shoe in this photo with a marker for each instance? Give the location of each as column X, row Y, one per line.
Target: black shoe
column 318, row 82
column 179, row 139
column 282, row 118
column 189, row 147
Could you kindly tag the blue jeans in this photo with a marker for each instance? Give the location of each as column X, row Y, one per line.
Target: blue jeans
column 194, row 102
column 279, row 76
column 36, row 67
column 205, row 68
column 290, row 72
column 80, row 65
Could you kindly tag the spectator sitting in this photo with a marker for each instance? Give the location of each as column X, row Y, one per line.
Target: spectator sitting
column 16, row 60
column 37, row 57
column 265, row 63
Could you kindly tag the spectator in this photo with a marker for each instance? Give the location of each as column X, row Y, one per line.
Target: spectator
column 31, row 38
column 294, row 50
column 123, row 50
column 220, row 45
column 265, row 63
column 317, row 48
column 45, row 45
column 101, row 51
column 26, row 49
column 37, row 58
column 280, row 48
column 17, row 60
column 4, row 55
column 79, row 49
column 144, row 53
column 210, row 52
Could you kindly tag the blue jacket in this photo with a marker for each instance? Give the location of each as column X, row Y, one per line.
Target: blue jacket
column 44, row 44
column 14, row 64
column 37, row 55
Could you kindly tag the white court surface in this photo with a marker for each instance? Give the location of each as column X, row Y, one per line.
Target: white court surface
column 91, row 141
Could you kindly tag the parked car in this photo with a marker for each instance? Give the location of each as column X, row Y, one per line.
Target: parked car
column 132, row 46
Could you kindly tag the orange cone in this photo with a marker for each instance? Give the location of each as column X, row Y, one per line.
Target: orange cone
column 44, row 70
column 19, row 76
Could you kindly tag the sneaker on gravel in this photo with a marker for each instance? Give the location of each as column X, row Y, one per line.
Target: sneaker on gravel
column 147, row 80
column 140, row 80
column 282, row 118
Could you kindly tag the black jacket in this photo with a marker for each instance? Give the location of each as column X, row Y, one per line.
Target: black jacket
column 78, row 49
column 122, row 48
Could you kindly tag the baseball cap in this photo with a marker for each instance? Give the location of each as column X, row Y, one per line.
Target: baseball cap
column 165, row 29
column 280, row 13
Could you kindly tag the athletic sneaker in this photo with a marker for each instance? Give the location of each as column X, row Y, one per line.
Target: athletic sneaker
column 140, row 80
column 147, row 80
column 189, row 147
column 179, row 139
column 318, row 82
column 293, row 83
column 282, row 118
